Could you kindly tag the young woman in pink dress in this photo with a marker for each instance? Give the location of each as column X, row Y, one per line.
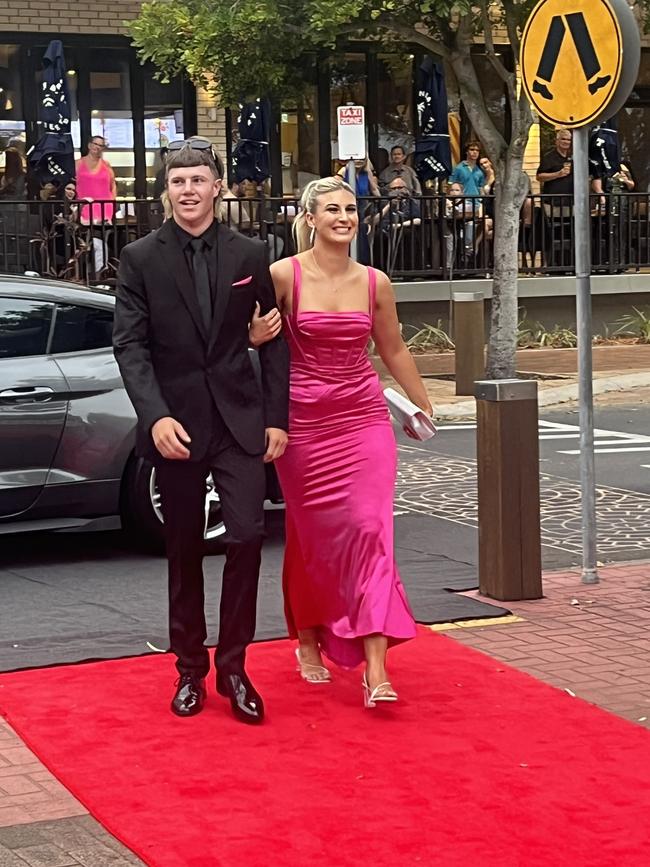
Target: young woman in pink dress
column 343, row 595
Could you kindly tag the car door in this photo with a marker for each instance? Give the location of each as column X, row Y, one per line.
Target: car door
column 100, row 430
column 33, row 402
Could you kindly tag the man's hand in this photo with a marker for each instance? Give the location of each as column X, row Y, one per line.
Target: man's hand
column 168, row 437
column 264, row 328
column 276, row 443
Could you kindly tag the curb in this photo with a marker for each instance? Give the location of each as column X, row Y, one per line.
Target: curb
column 466, row 409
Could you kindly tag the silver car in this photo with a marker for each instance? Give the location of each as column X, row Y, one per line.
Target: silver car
column 67, row 426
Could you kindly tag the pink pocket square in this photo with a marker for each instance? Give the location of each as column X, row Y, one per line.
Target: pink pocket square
column 244, row 281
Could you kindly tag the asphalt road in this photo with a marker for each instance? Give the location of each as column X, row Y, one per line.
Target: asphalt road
column 65, row 597
column 622, row 445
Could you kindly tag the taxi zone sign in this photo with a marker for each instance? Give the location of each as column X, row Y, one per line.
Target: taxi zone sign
column 351, row 122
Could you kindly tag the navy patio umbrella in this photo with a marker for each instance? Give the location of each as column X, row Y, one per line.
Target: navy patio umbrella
column 604, row 151
column 250, row 155
column 52, row 158
column 432, row 149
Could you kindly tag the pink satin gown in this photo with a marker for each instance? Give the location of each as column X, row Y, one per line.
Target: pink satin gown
column 338, row 479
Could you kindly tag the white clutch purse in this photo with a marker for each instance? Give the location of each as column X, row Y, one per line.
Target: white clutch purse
column 411, row 417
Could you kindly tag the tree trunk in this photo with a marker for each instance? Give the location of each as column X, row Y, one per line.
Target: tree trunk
column 503, row 319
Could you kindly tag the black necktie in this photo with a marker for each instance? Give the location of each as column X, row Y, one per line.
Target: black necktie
column 202, row 280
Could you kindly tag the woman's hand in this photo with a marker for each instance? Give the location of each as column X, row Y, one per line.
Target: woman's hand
column 264, row 328
column 427, row 409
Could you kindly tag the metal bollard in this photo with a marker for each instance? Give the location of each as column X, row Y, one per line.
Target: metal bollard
column 469, row 338
column 510, row 556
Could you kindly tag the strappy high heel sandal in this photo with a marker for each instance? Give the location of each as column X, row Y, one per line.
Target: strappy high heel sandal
column 382, row 692
column 310, row 672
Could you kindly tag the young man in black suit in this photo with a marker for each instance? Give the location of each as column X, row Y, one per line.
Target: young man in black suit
column 186, row 294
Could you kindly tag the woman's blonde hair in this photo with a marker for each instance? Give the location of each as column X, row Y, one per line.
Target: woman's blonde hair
column 302, row 232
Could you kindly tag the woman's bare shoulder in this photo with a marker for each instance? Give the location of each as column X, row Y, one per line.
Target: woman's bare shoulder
column 281, row 269
column 383, row 280
column 384, row 287
column 282, row 275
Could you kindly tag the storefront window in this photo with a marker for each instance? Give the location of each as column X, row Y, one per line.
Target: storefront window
column 111, row 117
column 634, row 127
column 12, row 123
column 163, row 121
column 299, row 142
column 395, row 105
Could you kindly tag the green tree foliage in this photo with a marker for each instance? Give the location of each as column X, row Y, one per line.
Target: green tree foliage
column 246, row 48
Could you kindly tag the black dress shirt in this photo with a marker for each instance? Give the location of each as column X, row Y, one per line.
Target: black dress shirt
column 552, row 162
column 210, row 239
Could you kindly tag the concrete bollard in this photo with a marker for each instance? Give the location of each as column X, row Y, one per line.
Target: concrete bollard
column 510, row 557
column 469, row 339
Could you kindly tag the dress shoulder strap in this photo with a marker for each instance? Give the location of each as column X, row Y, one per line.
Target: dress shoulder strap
column 372, row 291
column 297, row 280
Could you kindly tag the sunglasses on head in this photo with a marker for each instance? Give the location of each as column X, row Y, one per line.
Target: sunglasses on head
column 196, row 144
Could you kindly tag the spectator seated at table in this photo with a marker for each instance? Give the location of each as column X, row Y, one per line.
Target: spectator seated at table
column 464, row 212
column 401, row 209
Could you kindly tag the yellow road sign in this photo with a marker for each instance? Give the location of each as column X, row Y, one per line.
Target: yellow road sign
column 572, row 59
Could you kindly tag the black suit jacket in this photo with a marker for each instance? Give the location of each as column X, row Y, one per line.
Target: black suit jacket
column 172, row 367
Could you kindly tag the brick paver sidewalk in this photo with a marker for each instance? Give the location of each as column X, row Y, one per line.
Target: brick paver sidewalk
column 593, row 640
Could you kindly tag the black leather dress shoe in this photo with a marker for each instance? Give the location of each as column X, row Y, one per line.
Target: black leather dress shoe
column 190, row 695
column 245, row 701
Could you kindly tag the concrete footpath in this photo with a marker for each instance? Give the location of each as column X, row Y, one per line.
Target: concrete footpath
column 592, row 641
column 621, row 376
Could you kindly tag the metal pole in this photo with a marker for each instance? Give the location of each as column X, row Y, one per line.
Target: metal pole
column 352, row 181
column 582, row 218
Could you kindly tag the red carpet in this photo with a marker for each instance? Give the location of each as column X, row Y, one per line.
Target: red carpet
column 477, row 766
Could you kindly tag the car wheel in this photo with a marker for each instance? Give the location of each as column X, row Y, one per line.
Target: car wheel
column 142, row 515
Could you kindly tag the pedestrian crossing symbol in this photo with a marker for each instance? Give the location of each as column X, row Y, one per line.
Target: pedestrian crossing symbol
column 572, row 59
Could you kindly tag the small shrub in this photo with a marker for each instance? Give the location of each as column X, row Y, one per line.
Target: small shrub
column 428, row 338
column 637, row 324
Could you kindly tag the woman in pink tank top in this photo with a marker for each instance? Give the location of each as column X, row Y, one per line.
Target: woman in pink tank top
column 96, row 183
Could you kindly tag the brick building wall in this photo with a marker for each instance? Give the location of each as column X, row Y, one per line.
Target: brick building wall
column 68, row 16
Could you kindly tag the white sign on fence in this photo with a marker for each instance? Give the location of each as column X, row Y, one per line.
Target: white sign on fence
column 351, row 121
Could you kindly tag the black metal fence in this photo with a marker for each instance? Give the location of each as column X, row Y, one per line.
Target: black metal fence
column 429, row 237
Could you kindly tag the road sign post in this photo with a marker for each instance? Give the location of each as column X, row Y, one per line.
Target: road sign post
column 351, row 124
column 579, row 62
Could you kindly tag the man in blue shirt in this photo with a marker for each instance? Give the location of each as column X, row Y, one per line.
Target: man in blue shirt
column 469, row 173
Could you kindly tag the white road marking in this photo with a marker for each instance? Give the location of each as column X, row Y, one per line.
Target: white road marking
column 609, row 451
column 606, row 442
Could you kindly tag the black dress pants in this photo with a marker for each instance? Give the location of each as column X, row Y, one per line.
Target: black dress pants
column 240, row 482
